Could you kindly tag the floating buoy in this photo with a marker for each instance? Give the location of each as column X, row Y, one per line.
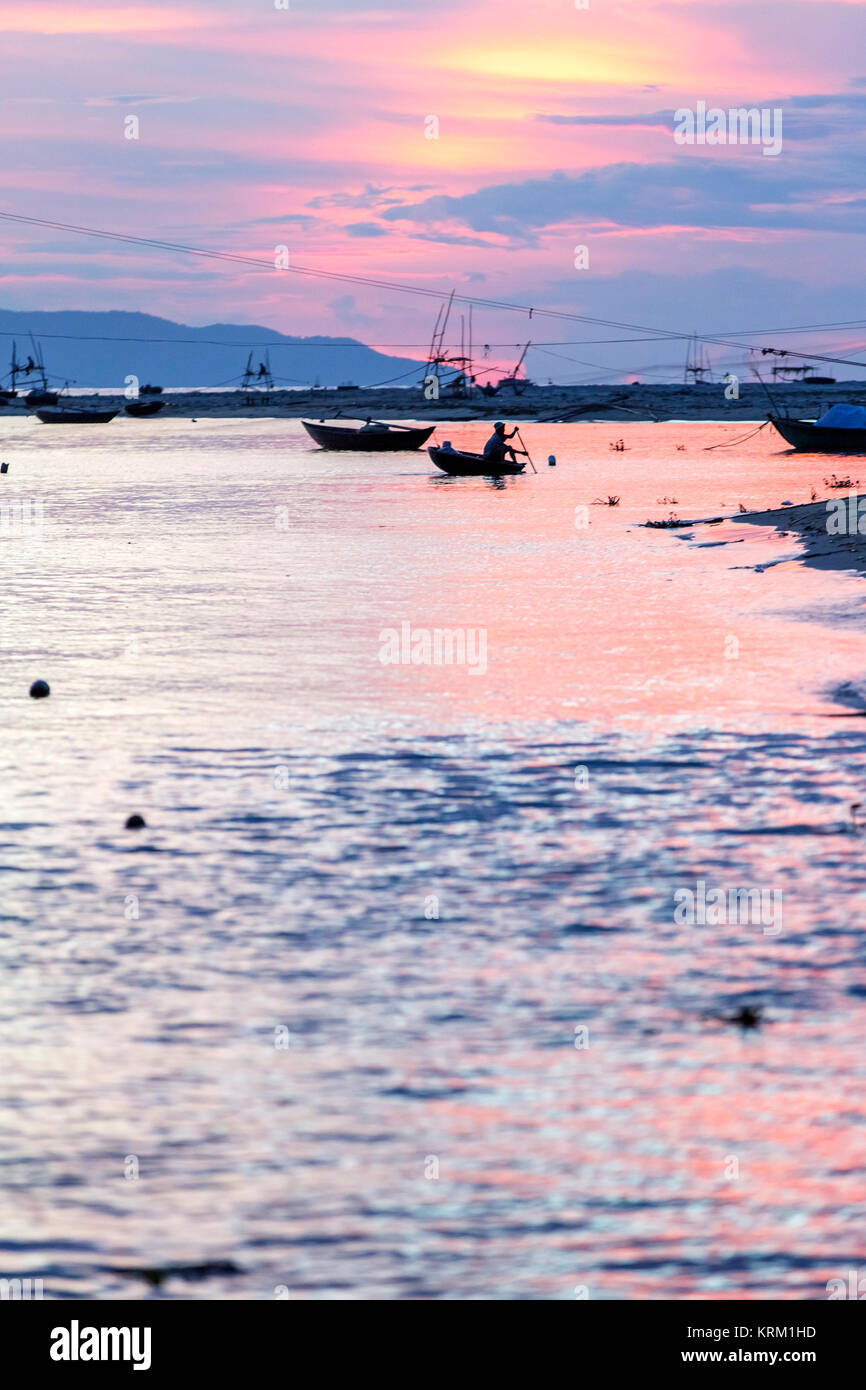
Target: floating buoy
column 551, row 460
column 747, row 1016
column 136, row 822
column 39, row 690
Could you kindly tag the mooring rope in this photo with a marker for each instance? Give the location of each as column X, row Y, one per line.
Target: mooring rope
column 731, row 442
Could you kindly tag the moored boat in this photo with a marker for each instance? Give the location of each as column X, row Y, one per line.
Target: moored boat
column 464, row 465
column 63, row 416
column 389, row 438
column 813, row 437
column 139, row 408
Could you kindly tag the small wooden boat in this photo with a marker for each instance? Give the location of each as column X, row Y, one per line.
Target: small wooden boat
column 462, row 465
column 139, row 408
column 75, row 417
column 807, row 437
column 390, row 438
column 149, row 390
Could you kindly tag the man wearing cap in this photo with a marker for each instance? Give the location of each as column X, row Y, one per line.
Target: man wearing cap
column 496, row 450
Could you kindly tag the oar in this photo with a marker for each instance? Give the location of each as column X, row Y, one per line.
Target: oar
column 526, row 451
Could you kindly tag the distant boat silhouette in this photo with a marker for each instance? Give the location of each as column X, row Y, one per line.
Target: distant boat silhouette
column 387, row 438
column 63, row 415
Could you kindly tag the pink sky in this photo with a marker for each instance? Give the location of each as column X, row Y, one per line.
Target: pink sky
column 261, row 126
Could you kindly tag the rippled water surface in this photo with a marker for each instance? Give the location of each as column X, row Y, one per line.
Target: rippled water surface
column 390, row 999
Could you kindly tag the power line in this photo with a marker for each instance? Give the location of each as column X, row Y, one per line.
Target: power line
column 305, row 343
column 259, row 263
column 581, row 362
column 370, row 282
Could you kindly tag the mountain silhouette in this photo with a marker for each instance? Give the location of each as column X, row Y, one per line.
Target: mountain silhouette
column 102, row 349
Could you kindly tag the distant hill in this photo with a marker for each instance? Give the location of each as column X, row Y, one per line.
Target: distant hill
column 173, row 354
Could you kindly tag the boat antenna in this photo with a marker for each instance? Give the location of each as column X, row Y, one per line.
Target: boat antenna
column 447, row 317
column 40, row 362
column 516, row 373
column 440, row 350
column 432, row 350
column 471, row 387
column 437, row 357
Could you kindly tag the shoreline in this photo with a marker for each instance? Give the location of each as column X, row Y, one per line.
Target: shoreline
column 534, row 404
column 841, row 549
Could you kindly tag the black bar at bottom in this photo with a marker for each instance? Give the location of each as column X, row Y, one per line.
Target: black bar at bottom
column 161, row 1337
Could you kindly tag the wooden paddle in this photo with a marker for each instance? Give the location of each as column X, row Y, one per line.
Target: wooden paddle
column 526, row 451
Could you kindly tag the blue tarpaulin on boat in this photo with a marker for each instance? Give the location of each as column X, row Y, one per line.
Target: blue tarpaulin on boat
column 844, row 417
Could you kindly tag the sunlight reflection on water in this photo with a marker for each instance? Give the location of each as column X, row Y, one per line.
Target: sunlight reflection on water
column 429, row 878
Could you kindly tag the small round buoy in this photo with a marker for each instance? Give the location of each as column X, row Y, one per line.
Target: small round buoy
column 136, row 822
column 551, row 459
column 39, row 689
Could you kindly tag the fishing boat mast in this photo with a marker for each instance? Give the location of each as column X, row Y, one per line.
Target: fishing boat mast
column 256, row 384
column 697, row 361
column 8, row 393
column 514, row 380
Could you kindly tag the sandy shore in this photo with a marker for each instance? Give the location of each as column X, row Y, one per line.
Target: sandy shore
column 535, row 403
column 826, row 529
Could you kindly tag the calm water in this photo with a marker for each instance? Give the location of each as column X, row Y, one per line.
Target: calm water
column 374, row 902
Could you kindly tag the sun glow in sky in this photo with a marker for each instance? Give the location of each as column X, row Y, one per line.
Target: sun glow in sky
column 311, row 127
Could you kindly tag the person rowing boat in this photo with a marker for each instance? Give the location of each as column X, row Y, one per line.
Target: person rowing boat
column 496, row 450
